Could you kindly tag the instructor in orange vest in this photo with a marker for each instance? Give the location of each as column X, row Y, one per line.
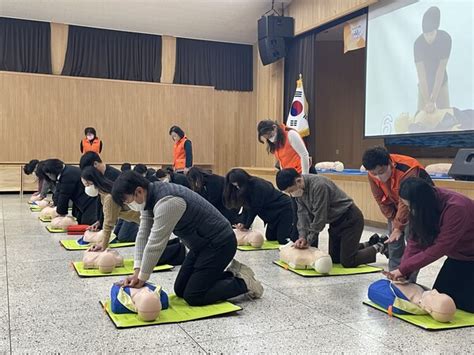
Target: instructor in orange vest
column 182, row 152
column 91, row 143
column 386, row 172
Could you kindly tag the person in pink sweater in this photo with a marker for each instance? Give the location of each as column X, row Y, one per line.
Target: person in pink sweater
column 442, row 224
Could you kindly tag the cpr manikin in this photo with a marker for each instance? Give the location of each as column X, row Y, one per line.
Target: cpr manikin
column 310, row 258
column 93, row 237
column 48, row 212
column 43, row 204
column 105, row 261
column 147, row 302
column 410, row 298
column 35, row 198
column 440, row 168
column 252, row 238
column 330, row 165
column 63, row 222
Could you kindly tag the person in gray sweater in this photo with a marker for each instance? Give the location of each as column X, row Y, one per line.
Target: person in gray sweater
column 321, row 202
column 169, row 208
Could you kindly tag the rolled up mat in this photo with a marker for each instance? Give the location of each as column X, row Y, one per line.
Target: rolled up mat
column 178, row 311
column 72, row 244
column 78, row 229
column 267, row 245
column 55, row 230
column 126, row 269
column 337, row 270
column 461, row 319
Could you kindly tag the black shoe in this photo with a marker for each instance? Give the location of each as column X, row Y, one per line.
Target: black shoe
column 384, row 246
column 374, row 239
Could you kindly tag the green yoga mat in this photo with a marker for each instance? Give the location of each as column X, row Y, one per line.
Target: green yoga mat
column 34, row 208
column 461, row 319
column 45, row 219
column 179, row 311
column 72, row 244
column 337, row 270
column 126, row 269
column 55, row 230
column 267, row 245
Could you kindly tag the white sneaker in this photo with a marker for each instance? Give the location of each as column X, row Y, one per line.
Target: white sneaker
column 234, row 267
column 254, row 287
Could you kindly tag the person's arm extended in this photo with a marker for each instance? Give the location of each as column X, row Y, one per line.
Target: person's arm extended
column 439, row 79
column 422, row 82
column 388, row 210
column 188, row 149
column 298, row 145
column 319, row 209
column 167, row 213
column 110, row 212
column 304, row 220
column 450, row 232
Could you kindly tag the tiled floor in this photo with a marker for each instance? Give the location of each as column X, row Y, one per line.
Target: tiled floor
column 45, row 307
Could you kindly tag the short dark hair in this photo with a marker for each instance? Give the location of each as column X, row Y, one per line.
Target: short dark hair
column 286, row 178
column 431, row 19
column 30, row 167
column 40, row 172
column 161, row 173
column 424, row 214
column 53, row 166
column 100, row 181
column 90, row 130
column 140, row 168
column 374, row 157
column 177, row 130
column 126, row 184
column 88, row 159
column 126, row 167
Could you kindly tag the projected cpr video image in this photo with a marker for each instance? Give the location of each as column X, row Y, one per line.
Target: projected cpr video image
column 420, row 68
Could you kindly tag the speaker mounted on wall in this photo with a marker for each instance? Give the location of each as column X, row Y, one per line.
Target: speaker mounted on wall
column 273, row 31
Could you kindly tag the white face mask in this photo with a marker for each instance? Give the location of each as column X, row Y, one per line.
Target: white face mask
column 165, row 179
column 297, row 193
column 91, row 191
column 385, row 176
column 90, row 137
column 135, row 206
column 273, row 138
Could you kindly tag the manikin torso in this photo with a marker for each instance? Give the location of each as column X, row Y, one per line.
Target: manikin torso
column 105, row 261
column 63, row 222
column 252, row 238
column 310, row 258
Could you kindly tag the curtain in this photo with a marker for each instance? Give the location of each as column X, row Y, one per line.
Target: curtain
column 25, row 46
column 225, row 66
column 300, row 59
column 113, row 55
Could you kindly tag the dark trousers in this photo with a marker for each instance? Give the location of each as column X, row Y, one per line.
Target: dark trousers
column 344, row 240
column 87, row 215
column 202, row 280
column 126, row 231
column 174, row 253
column 282, row 228
column 456, row 279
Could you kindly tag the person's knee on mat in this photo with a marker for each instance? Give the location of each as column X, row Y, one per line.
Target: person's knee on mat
column 194, row 298
column 348, row 262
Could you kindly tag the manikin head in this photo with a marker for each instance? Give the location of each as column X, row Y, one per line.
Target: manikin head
column 131, row 189
column 430, row 24
column 378, row 163
column 290, row 182
column 148, row 304
column 48, row 212
column 439, row 305
column 252, row 238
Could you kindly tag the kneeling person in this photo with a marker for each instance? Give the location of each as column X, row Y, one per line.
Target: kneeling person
column 167, row 208
column 320, row 202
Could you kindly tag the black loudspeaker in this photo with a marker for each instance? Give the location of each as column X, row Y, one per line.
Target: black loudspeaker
column 276, row 26
column 271, row 49
column 463, row 166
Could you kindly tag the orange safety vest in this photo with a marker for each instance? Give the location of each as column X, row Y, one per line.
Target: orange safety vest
column 287, row 156
column 401, row 166
column 87, row 146
column 179, row 160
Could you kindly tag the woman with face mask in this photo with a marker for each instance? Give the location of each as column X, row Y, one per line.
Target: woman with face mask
column 91, row 143
column 287, row 146
column 97, row 185
column 258, row 197
column 182, row 151
column 441, row 224
column 385, row 173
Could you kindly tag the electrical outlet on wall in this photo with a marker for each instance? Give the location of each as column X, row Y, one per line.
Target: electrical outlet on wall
column 337, row 151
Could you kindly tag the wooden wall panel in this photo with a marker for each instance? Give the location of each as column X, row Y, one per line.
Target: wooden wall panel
column 340, row 105
column 168, row 59
column 59, row 36
column 310, row 14
column 44, row 116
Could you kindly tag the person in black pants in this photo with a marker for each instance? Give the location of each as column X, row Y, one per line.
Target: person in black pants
column 70, row 188
column 258, row 197
column 169, row 208
column 211, row 187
